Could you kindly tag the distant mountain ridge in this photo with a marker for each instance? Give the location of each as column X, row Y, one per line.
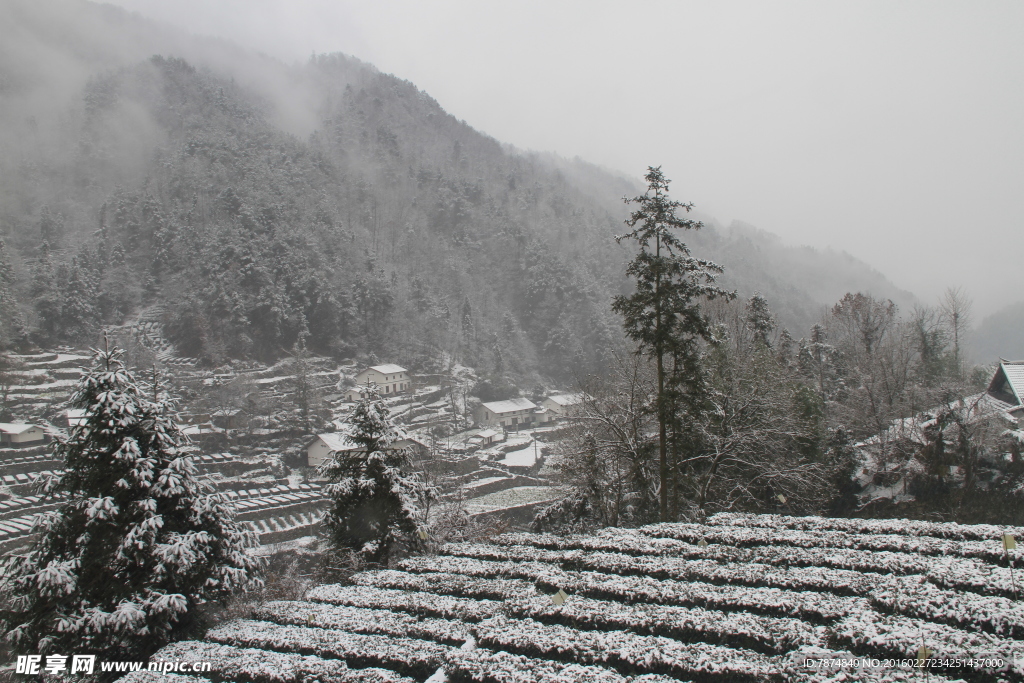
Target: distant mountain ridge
column 260, row 204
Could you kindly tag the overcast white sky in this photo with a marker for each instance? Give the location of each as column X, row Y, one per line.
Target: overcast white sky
column 892, row 130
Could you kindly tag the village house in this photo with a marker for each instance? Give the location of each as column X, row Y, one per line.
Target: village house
column 390, row 379
column 910, row 446
column 323, row 445
column 508, row 414
column 558, row 406
column 74, row 417
column 1007, row 385
column 19, row 434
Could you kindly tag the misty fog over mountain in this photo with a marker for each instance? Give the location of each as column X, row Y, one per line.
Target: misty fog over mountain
column 95, row 130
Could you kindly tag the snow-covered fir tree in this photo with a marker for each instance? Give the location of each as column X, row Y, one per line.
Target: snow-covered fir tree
column 374, row 498
column 136, row 544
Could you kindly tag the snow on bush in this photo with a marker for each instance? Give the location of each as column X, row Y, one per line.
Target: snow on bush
column 913, row 596
column 905, row 527
column 250, row 665
column 763, row 604
column 624, row 651
column 408, row 656
column 362, row 620
column 490, row 551
column 445, row 584
column 513, row 497
column 469, row 566
column 769, row 635
column 837, row 581
column 741, row 537
column 806, row 605
column 487, row 666
column 625, row 541
column 977, row 577
column 155, row 677
column 870, row 633
column 426, row 604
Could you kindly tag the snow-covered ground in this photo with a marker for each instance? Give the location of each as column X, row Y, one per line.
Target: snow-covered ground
column 520, row 495
column 526, row 456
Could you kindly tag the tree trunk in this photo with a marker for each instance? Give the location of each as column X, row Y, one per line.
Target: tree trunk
column 662, row 417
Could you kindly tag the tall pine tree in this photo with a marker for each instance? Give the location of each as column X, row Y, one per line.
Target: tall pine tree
column 374, row 499
column 663, row 316
column 135, row 545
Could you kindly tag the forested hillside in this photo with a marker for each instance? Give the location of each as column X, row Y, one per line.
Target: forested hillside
column 348, row 205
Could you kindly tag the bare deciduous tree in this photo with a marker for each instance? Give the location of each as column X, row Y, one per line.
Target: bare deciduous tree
column 956, row 315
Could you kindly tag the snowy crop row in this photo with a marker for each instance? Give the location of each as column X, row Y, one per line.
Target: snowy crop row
column 870, row 633
column 362, row 620
column 807, row 605
column 742, row 549
column 687, row 535
column 155, row 677
column 471, row 566
column 491, row 551
column 838, row 581
column 445, row 583
column 838, row 571
column 915, row 597
column 426, row 604
column 624, row 651
column 487, row 666
column 769, row 635
column 627, row 541
column 417, row 658
column 950, row 530
column 248, row 665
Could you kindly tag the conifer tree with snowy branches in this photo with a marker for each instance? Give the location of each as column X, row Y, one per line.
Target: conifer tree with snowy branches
column 374, row 498
column 136, row 544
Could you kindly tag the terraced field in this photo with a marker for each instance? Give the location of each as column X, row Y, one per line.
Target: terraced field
column 743, row 598
column 276, row 514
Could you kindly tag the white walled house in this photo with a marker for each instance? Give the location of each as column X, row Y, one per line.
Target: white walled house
column 390, row 379
column 558, row 406
column 323, row 445
column 21, row 434
column 508, row 414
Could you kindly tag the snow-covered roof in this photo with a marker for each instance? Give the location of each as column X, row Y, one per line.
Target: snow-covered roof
column 1015, row 376
column 15, row 427
column 487, row 433
column 566, row 399
column 338, row 441
column 388, row 368
column 972, row 409
column 341, row 441
column 510, row 405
